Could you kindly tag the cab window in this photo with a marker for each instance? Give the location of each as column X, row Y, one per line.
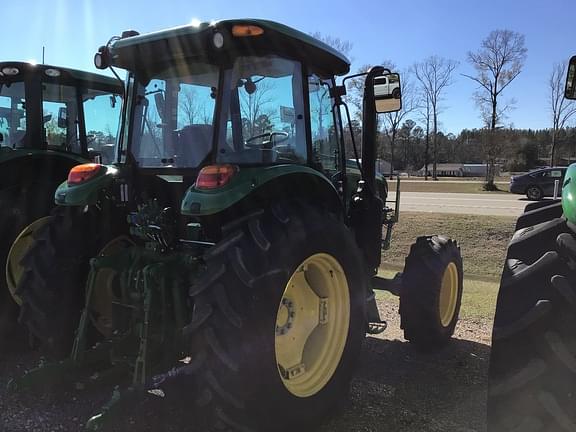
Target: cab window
column 265, row 120
column 60, row 117
column 101, row 116
column 325, row 150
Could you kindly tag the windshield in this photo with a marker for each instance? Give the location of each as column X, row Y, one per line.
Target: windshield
column 12, row 114
column 173, row 119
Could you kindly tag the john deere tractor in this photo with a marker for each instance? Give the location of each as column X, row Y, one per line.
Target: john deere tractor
column 51, row 119
column 236, row 273
column 532, row 383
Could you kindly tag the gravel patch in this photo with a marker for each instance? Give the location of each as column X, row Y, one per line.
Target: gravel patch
column 395, row 388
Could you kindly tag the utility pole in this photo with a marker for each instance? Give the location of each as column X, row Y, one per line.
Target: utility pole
column 43, row 50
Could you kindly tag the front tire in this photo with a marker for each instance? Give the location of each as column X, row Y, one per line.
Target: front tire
column 278, row 321
column 431, row 291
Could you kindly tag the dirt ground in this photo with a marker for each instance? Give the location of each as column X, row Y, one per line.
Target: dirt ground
column 396, row 388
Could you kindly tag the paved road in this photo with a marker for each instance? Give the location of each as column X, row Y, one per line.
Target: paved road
column 480, row 204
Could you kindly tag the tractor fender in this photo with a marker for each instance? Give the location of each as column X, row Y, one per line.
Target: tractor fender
column 88, row 192
column 253, row 186
column 23, row 168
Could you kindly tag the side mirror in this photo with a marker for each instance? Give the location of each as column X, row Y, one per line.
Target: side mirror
column 62, row 118
column 387, row 93
column 570, row 89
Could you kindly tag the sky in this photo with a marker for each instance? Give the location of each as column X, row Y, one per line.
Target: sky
column 404, row 32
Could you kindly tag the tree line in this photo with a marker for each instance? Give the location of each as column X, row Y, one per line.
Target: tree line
column 411, row 138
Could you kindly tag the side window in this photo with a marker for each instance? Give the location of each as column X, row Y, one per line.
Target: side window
column 60, row 117
column 556, row 173
column 325, row 150
column 12, row 115
column 5, row 108
column 101, row 117
column 150, row 152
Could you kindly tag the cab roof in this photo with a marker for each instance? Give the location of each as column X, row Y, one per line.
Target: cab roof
column 66, row 73
column 197, row 40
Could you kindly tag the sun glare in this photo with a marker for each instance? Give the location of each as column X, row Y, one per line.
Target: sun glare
column 195, row 22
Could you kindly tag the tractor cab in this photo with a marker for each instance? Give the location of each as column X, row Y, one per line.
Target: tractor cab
column 53, row 108
column 219, row 106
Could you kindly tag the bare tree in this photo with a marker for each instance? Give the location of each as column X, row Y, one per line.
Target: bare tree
column 434, row 75
column 393, row 120
column 562, row 109
column 256, row 104
column 497, row 63
column 341, row 45
column 426, row 115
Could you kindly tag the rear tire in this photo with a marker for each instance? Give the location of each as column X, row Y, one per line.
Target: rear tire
column 57, row 266
column 237, row 332
column 431, row 291
column 532, row 375
column 534, row 193
column 18, row 207
column 538, row 212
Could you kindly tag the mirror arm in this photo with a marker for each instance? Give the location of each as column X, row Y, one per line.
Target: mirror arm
column 369, row 128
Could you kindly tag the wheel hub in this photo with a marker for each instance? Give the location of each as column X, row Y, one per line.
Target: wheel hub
column 14, row 268
column 448, row 294
column 312, row 325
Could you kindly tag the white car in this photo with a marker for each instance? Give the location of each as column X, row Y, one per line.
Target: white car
column 387, row 85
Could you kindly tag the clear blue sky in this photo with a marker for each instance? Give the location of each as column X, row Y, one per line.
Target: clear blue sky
column 402, row 31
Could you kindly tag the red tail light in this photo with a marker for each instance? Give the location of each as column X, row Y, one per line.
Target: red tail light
column 215, row 176
column 82, row 173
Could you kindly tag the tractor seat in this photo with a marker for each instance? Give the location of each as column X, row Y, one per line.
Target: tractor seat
column 193, row 144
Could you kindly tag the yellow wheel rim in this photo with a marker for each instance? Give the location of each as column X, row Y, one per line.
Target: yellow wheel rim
column 22, row 244
column 106, row 288
column 312, row 325
column 448, row 294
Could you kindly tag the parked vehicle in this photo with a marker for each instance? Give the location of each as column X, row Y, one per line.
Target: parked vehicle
column 538, row 184
column 51, row 119
column 387, row 86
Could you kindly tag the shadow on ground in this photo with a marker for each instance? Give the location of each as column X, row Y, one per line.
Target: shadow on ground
column 396, row 388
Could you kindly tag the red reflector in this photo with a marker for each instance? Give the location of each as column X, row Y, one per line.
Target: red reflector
column 215, row 176
column 81, row 173
column 246, row 30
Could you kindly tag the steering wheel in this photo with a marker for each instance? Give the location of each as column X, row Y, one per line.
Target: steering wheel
column 267, row 144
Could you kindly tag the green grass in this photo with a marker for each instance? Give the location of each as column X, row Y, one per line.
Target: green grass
column 478, row 298
column 445, row 187
column 483, row 240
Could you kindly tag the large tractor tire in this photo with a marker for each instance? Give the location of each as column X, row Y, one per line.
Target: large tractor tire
column 538, row 212
column 278, row 321
column 18, row 207
column 54, row 267
column 532, row 375
column 431, row 291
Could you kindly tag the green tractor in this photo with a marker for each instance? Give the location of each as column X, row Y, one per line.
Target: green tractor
column 532, row 375
column 51, row 119
column 237, row 265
